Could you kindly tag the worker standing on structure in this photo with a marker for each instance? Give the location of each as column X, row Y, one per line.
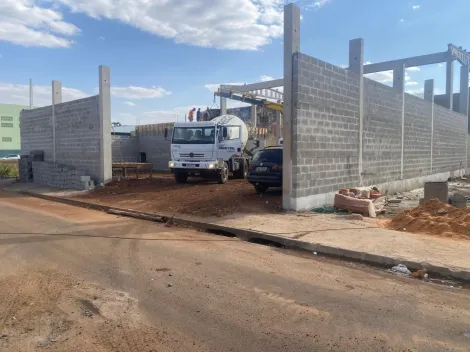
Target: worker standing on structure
column 198, row 114
column 191, row 114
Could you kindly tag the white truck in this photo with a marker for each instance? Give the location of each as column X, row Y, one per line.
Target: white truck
column 209, row 149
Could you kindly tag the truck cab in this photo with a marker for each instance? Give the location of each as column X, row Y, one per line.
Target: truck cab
column 209, row 149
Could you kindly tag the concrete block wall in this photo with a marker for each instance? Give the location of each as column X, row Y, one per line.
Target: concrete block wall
column 36, row 130
column 468, row 155
column 418, row 137
column 382, row 133
column 326, row 135
column 156, row 146
column 325, row 125
column 125, row 149
column 450, row 134
column 78, row 134
column 60, row 176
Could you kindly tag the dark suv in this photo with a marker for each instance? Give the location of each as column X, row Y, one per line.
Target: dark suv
column 266, row 169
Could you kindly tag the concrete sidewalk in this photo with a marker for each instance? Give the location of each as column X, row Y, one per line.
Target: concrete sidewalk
column 327, row 234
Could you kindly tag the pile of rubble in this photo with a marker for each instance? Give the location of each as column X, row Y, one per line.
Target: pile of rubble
column 368, row 202
column 434, row 218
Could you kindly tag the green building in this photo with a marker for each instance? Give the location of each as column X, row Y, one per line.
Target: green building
column 10, row 129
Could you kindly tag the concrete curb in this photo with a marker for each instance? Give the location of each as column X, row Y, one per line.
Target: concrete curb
column 250, row 235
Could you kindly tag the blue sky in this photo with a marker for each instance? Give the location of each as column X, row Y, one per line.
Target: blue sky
column 167, row 55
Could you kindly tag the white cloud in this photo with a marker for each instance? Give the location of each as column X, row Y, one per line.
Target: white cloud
column 265, row 78
column 213, row 87
column 25, row 23
column 135, row 93
column 42, row 95
column 420, row 92
column 172, row 115
column 126, row 119
column 318, row 4
column 386, row 77
column 129, row 103
column 415, row 7
column 411, row 83
column 178, row 114
column 382, row 77
column 233, row 24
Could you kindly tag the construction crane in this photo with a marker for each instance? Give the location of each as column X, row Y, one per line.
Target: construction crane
column 249, row 98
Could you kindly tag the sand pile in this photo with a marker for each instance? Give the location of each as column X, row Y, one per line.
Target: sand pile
column 434, row 218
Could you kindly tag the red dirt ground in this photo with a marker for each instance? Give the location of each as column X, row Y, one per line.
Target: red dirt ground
column 162, row 194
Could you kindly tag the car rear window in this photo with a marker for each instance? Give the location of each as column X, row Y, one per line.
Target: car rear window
column 269, row 155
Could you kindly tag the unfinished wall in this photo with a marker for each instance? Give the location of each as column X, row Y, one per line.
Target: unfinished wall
column 155, row 145
column 382, row 133
column 36, row 130
column 60, row 176
column 325, row 128
column 418, row 134
column 125, row 149
column 326, row 135
column 449, row 150
column 78, row 133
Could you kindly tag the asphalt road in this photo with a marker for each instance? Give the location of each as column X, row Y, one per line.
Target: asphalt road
column 73, row 279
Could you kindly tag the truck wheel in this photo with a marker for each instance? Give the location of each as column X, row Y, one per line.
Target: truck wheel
column 243, row 171
column 181, row 177
column 223, row 177
column 261, row 188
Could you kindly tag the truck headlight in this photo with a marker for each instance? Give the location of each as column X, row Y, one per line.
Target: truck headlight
column 211, row 166
column 171, row 164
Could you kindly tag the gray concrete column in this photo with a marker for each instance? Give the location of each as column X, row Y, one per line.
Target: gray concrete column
column 356, row 65
column 278, row 126
column 56, row 99
column 223, row 106
column 399, row 78
column 429, row 90
column 463, row 101
column 399, row 86
column 105, row 125
column 30, row 94
column 56, row 92
column 254, row 115
column 291, row 46
column 429, row 96
column 450, row 84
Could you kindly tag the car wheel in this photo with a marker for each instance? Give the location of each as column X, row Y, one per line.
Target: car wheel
column 261, row 188
column 181, row 177
column 223, row 177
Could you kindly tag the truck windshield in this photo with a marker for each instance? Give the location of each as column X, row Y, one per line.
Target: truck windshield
column 194, row 135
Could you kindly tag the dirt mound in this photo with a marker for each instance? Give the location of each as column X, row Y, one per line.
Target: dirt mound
column 434, row 218
column 204, row 198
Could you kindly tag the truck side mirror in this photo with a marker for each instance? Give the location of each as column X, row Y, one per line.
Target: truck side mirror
column 224, row 132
